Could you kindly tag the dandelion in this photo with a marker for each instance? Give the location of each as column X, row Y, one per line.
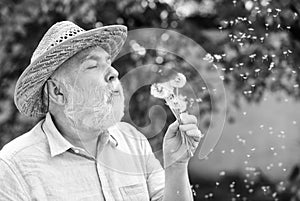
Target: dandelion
column 179, row 81
column 161, row 90
column 218, row 57
column 177, row 103
column 208, row 57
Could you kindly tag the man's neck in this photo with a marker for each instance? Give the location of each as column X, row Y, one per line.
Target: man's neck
column 78, row 138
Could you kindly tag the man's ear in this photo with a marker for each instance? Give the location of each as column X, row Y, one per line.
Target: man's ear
column 55, row 92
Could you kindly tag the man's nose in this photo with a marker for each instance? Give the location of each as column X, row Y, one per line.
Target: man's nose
column 112, row 75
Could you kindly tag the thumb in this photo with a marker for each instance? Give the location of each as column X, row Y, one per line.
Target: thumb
column 172, row 130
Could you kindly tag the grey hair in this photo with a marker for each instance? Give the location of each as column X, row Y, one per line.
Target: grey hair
column 45, row 89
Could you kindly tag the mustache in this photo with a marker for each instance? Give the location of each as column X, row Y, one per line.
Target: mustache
column 112, row 94
column 94, row 97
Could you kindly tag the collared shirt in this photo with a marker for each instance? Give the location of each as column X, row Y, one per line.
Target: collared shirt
column 43, row 165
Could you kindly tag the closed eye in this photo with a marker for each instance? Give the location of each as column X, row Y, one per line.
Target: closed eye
column 91, row 67
column 89, row 64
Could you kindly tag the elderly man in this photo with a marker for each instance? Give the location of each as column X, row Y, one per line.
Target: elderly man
column 81, row 150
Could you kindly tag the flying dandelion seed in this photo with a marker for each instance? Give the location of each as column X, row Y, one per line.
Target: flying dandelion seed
column 222, row 173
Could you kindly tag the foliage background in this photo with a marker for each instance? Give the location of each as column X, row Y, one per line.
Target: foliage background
column 255, row 43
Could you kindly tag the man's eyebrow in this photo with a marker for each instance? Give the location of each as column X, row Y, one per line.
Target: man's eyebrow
column 87, row 57
column 93, row 57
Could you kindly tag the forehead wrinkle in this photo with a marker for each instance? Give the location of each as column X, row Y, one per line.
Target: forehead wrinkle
column 95, row 53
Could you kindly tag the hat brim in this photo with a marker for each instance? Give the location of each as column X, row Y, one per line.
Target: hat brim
column 28, row 91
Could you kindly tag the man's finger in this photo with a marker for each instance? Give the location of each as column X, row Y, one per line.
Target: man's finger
column 195, row 133
column 188, row 119
column 195, row 144
column 172, row 130
column 186, row 127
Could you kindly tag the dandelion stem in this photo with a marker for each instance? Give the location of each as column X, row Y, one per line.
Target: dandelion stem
column 176, row 114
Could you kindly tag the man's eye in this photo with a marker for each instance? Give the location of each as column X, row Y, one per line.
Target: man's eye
column 91, row 67
column 89, row 64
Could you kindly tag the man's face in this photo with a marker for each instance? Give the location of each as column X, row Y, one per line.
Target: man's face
column 94, row 99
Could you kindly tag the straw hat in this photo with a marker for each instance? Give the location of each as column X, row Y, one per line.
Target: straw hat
column 62, row 41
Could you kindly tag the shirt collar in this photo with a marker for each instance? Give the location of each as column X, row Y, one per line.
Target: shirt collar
column 58, row 144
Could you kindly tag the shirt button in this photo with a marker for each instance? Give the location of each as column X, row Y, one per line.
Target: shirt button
column 76, row 151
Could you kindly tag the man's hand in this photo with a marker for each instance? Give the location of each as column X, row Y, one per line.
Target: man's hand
column 175, row 151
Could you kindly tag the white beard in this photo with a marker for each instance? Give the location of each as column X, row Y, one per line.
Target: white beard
column 94, row 110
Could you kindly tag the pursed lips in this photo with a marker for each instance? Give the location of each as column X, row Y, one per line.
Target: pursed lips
column 112, row 93
column 115, row 93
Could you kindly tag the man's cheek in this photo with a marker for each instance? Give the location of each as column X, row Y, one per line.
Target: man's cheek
column 75, row 95
column 91, row 97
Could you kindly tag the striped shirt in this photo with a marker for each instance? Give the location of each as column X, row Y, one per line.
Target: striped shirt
column 42, row 165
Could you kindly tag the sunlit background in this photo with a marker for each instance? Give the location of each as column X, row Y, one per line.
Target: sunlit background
column 251, row 47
